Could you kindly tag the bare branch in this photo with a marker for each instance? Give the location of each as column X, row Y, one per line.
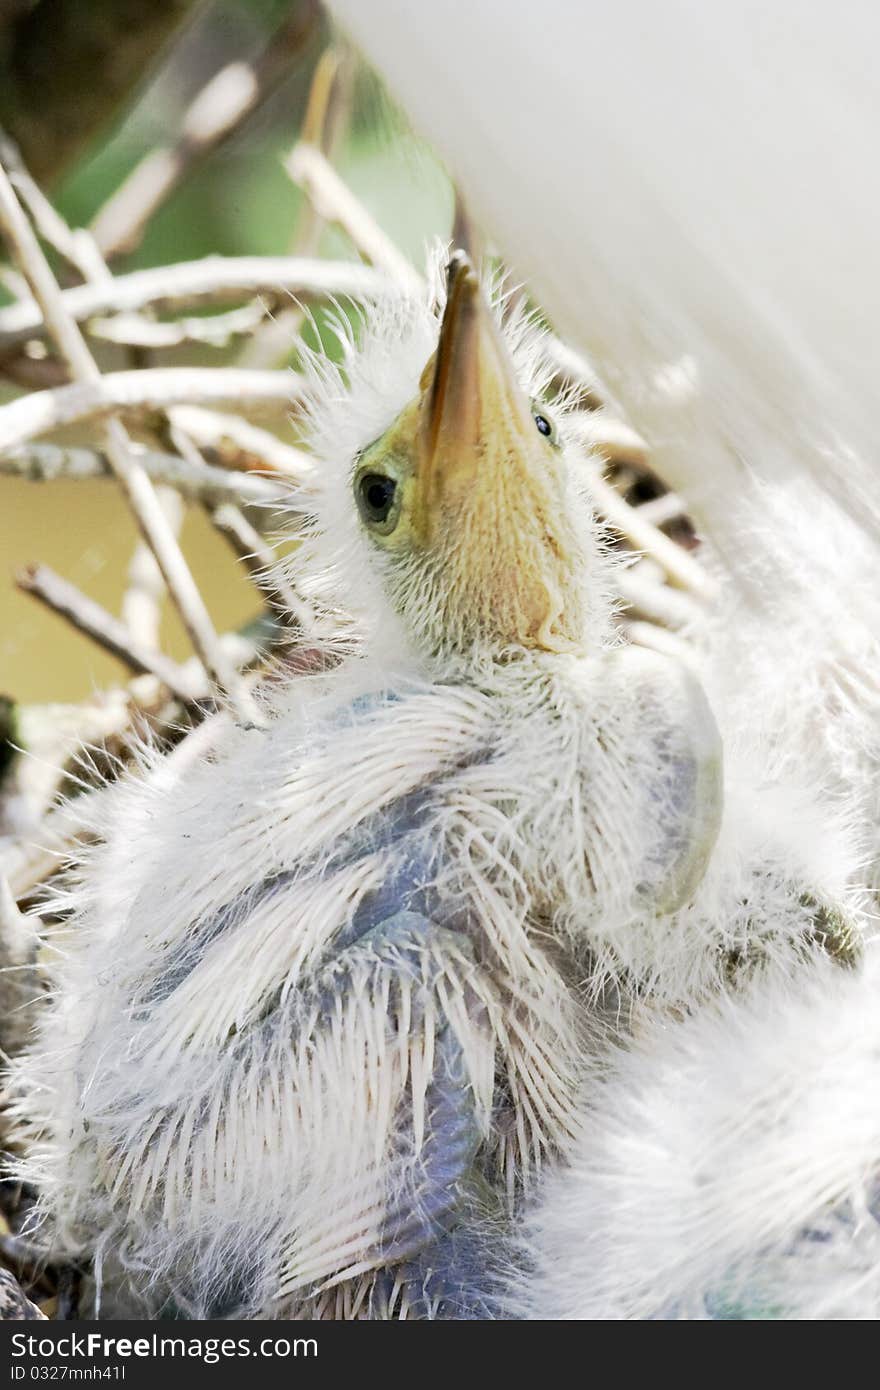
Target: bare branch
column 217, row 110
column 616, row 441
column 214, row 330
column 212, row 279
column 334, row 202
column 661, row 510
column 239, row 444
column 133, row 393
column 326, row 115
column 261, row 563
column 654, row 600
column 95, row 622
column 145, row 588
column 207, row 484
column 681, row 569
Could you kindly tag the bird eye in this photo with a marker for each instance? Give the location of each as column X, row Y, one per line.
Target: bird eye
column 376, row 494
column 544, row 425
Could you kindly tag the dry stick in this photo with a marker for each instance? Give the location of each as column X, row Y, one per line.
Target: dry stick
column 238, row 443
column 334, row 202
column 203, row 483
column 661, row 510
column 261, row 563
column 679, row 567
column 616, row 441
column 95, row 622
column 134, row 481
column 215, row 113
column 656, row 601
column 145, row 588
column 658, row 639
column 214, row 279
column 216, row 330
column 326, row 117
column 152, row 389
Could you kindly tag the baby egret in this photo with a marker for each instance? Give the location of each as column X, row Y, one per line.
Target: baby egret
column 328, row 998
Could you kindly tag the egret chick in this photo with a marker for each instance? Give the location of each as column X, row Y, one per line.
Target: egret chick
column 326, row 1000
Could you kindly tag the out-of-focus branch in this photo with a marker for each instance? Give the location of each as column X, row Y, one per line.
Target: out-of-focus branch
column 93, row 621
column 133, row 393
column 681, row 569
column 335, row 203
column 134, row 481
column 326, row 115
column 215, row 113
column 214, row 330
column 213, row 280
column 67, row 66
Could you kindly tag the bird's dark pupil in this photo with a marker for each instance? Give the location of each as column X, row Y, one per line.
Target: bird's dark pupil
column 378, row 494
column 544, row 426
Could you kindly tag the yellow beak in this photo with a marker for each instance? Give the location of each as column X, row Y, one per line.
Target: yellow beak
column 490, row 485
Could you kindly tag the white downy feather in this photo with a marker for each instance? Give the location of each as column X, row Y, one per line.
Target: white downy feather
column 727, row 1164
column 203, row 1146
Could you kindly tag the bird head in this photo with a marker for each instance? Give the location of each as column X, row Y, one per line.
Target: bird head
column 464, row 501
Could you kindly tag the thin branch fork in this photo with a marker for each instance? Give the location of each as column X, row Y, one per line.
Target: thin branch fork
column 213, row 279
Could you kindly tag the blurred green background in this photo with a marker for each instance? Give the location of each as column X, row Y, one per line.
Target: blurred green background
column 239, row 201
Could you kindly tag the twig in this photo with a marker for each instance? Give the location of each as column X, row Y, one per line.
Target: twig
column 661, row 510
column 334, row 202
column 155, row 388
column 214, row 330
column 658, row 639
column 50, row 225
column 675, row 562
column 241, row 445
column 205, row 483
column 145, row 588
column 217, row 110
column 134, row 481
column 325, row 118
column 213, row 279
column 616, row 441
column 95, row 622
column 670, row 608
column 261, row 563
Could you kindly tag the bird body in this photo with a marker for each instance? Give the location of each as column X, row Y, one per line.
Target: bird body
column 328, row 998
column 324, row 997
